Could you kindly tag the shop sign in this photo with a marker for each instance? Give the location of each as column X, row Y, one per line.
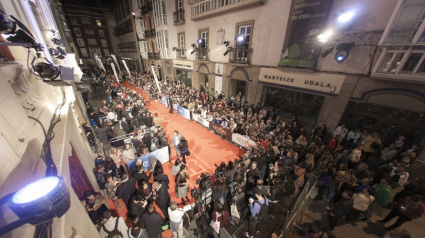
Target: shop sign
column 330, row 83
column 183, row 64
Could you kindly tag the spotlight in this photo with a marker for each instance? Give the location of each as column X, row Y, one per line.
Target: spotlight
column 345, row 17
column 201, row 42
column 343, row 50
column 227, row 51
column 327, row 52
column 193, row 46
column 193, row 51
column 174, row 48
column 240, row 39
column 226, row 43
column 324, row 36
column 54, row 52
column 134, row 14
column 6, row 25
column 38, row 202
column 57, row 41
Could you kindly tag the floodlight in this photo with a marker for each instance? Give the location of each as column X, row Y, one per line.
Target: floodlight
column 174, row 48
column 193, row 51
column 324, row 37
column 7, row 26
column 240, row 38
column 22, row 35
column 327, row 52
column 345, row 17
column 193, row 46
column 226, row 43
column 343, row 50
column 227, row 51
column 37, row 202
column 201, row 42
column 134, row 14
column 57, row 41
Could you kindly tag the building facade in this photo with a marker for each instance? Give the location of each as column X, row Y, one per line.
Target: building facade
column 89, row 29
column 281, row 64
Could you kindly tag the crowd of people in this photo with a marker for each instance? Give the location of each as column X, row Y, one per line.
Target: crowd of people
column 249, row 187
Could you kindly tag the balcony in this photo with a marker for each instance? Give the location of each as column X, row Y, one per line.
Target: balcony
column 153, row 56
column 202, row 54
column 211, row 8
column 147, row 8
column 240, row 55
column 179, row 17
column 153, row 33
column 181, row 53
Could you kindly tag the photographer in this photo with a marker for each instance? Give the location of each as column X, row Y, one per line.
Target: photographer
column 238, row 206
column 218, row 190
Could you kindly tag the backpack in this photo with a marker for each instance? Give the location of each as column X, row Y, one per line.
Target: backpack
column 154, row 144
column 115, row 233
column 263, row 215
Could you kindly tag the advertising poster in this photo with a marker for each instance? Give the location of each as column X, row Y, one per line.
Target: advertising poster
column 161, row 155
column 183, row 112
column 201, row 120
column 307, row 18
column 243, row 141
column 218, row 129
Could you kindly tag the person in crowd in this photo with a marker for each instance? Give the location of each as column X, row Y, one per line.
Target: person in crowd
column 400, row 175
column 324, row 183
column 161, row 197
column 111, row 186
column 371, row 143
column 157, row 120
column 256, row 205
column 415, row 187
column 124, row 125
column 137, row 230
column 352, row 138
column 176, row 141
column 94, row 204
column 361, row 172
column 176, row 220
column 100, row 176
column 238, row 205
column 182, row 185
column 183, row 149
column 387, row 155
column 361, row 200
column 364, row 183
column 355, row 156
column 112, row 224
column 218, row 190
column 155, row 164
column 138, row 205
column 340, row 131
column 145, row 189
column 141, row 175
column 299, row 172
column 408, row 208
column 274, row 193
column 341, row 208
column 116, row 155
column 152, row 222
column 161, row 177
column 220, row 214
column 382, row 195
column 127, row 155
column 176, row 167
column 127, row 189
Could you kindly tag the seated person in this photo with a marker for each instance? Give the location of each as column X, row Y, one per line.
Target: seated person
column 94, row 203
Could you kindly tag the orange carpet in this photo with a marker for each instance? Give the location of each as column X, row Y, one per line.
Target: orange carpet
column 206, row 150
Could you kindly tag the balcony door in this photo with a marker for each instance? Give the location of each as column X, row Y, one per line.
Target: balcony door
column 79, row 179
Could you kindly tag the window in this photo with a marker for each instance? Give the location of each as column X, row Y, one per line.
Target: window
column 89, row 31
column 73, row 20
column 179, row 4
column 77, row 32
column 124, row 28
column 106, row 52
column 127, row 47
column 101, row 34
column 80, row 42
column 245, row 31
column 92, row 41
column 67, row 34
column 104, row 43
column 95, row 50
column 203, row 34
column 84, row 52
column 98, row 23
column 160, row 13
column 85, row 20
column 181, row 44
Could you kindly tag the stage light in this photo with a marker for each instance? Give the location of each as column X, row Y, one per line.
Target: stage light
column 324, row 37
column 53, row 52
column 226, row 43
column 6, row 25
column 37, row 202
column 46, row 71
column 134, row 14
column 343, row 50
column 193, row 46
column 174, row 48
column 193, row 51
column 327, row 52
column 57, row 52
column 345, row 17
column 227, row 51
column 201, row 42
column 240, row 38
column 57, row 41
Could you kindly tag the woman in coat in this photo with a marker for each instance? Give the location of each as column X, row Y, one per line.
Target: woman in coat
column 182, row 184
column 183, row 149
column 371, row 143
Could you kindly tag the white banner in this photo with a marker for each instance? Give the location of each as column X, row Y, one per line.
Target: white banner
column 201, row 120
column 156, row 79
column 218, row 83
column 99, row 63
column 161, row 155
column 115, row 72
column 243, row 141
column 125, row 65
column 116, row 62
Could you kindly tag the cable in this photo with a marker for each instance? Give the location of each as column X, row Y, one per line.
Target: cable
column 44, row 130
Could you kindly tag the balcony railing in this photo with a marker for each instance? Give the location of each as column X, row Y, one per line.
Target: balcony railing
column 153, row 33
column 153, row 56
column 240, row 55
column 181, row 53
column 209, row 8
column 179, row 17
column 147, row 34
column 202, row 54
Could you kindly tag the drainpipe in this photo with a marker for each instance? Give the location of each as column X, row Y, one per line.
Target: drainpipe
column 36, row 28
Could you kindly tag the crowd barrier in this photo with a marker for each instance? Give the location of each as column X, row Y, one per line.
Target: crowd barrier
column 226, row 133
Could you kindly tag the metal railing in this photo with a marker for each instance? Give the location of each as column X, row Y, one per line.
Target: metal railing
column 153, row 56
column 179, row 17
column 152, row 33
column 303, row 201
column 147, row 34
column 202, row 54
column 240, row 55
column 181, row 53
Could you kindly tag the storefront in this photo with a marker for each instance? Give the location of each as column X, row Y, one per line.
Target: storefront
column 300, row 94
column 184, row 70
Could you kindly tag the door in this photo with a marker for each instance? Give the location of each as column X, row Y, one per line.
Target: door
column 79, row 180
column 241, row 88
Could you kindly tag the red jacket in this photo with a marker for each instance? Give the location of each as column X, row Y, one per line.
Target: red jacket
column 410, row 208
column 332, row 144
column 265, row 144
column 223, row 219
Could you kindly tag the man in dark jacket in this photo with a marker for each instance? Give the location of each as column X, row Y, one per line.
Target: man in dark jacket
column 140, row 174
column 341, row 208
column 137, row 205
column 124, row 125
column 95, row 117
column 161, row 177
column 127, row 189
column 170, row 104
column 153, row 222
column 149, row 120
column 161, row 197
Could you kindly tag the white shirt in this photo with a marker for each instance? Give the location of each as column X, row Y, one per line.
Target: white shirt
column 110, row 225
column 176, row 215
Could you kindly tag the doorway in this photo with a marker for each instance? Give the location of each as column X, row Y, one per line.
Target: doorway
column 79, row 180
column 238, row 87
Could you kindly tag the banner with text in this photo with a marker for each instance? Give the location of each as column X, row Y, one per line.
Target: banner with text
column 218, row 129
column 183, row 112
column 201, row 120
column 307, row 19
column 243, row 141
column 161, row 155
